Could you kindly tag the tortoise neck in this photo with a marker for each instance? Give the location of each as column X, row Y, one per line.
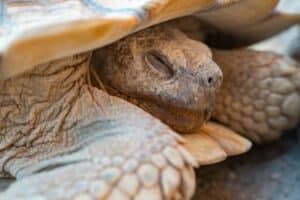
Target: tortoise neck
column 28, row 101
column 46, row 81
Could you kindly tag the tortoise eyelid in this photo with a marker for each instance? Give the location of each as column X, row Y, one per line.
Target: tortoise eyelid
column 159, row 62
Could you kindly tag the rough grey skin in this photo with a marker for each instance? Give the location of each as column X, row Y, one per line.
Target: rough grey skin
column 164, row 72
column 175, row 79
column 64, row 139
column 260, row 94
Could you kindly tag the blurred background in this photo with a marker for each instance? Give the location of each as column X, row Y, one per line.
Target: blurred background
column 267, row 172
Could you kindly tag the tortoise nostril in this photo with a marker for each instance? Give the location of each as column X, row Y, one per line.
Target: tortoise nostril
column 210, row 80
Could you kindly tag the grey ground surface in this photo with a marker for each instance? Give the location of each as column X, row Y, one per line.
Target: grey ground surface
column 267, row 172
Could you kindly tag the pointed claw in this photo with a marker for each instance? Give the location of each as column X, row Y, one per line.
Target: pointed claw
column 204, row 148
column 232, row 143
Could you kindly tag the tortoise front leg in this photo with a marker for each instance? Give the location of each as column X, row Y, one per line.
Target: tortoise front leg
column 135, row 163
column 260, row 94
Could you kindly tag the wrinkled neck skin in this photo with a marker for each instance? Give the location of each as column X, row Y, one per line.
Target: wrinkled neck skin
column 36, row 103
column 52, row 116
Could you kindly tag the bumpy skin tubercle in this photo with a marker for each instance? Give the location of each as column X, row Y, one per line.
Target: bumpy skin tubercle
column 260, row 94
column 64, row 139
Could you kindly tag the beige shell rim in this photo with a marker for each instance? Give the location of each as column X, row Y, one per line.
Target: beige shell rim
column 26, row 47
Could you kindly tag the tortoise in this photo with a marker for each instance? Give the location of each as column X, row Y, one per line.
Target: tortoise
column 56, row 126
column 66, row 139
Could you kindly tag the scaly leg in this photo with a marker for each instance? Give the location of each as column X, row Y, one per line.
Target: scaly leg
column 260, row 94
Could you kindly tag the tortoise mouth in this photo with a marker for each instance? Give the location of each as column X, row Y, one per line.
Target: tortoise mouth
column 180, row 119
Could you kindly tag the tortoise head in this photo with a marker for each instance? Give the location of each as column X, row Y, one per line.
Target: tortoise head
column 165, row 73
